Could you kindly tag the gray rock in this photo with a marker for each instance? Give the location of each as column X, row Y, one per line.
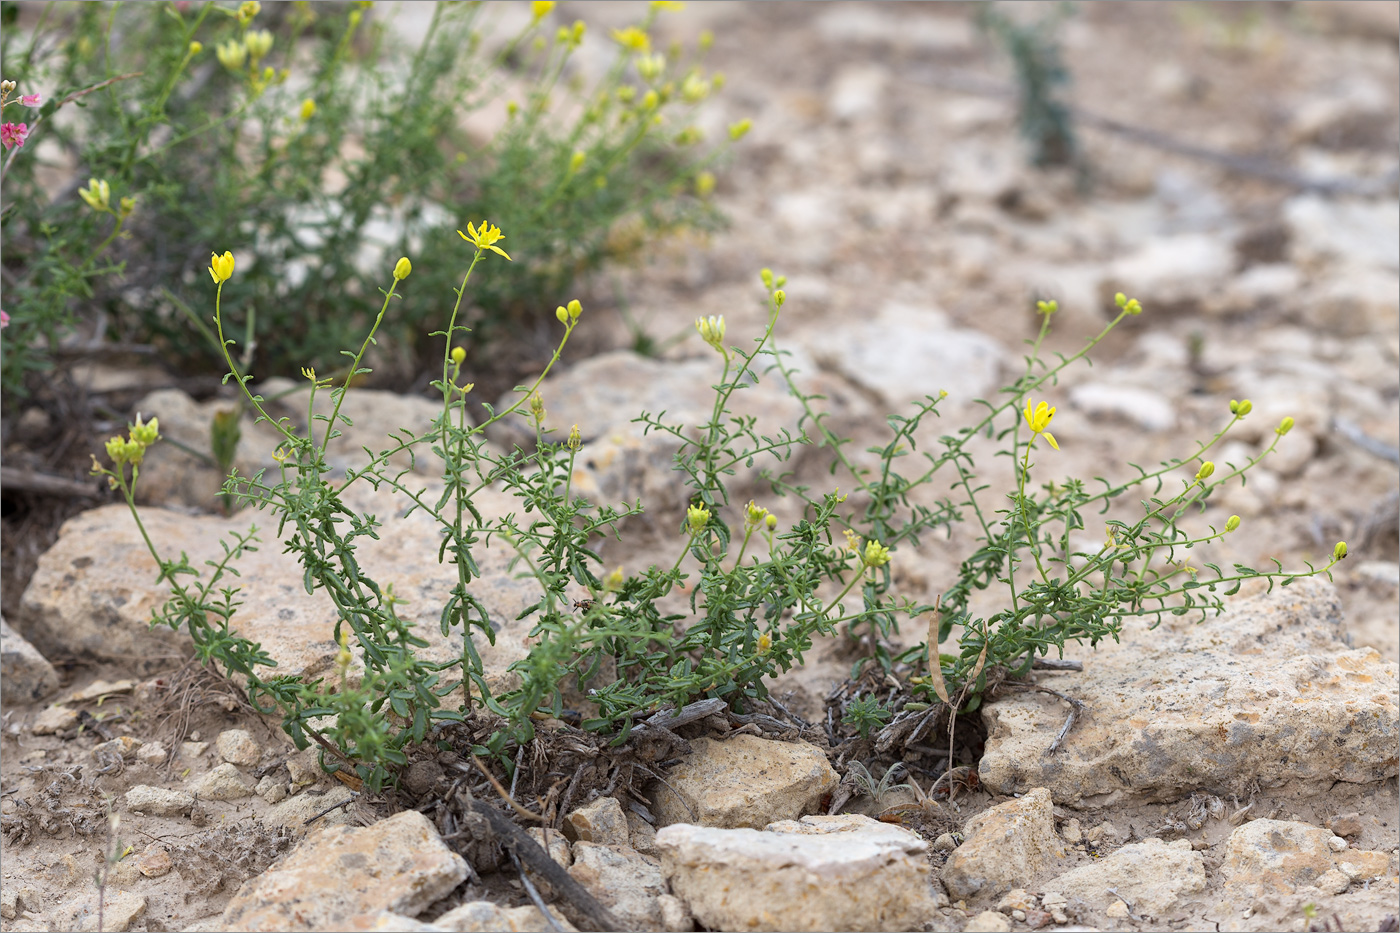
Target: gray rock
column 26, row 676
column 743, row 781
column 832, row 873
column 94, row 590
column 905, row 353
column 1176, row 271
column 342, row 873
column 1004, row 848
column 1266, row 694
column 1154, row 876
column 293, row 812
column 1364, row 233
column 1149, row 410
column 158, row 801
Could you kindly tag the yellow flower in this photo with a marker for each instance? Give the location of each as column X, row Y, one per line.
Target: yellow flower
column 674, row 6
column 402, row 269
column 613, row 581
column 765, row 641
column 145, row 434
column 697, row 516
column 540, row 9
column 876, row 554
column 1039, row 419
column 650, row 67
column 221, row 267
column 704, row 184
column 576, row 161
column 632, row 38
column 98, row 194
column 259, row 43
column 712, row 330
column 754, row 514
column 537, row 409
column 247, row 10
column 575, row 440
column 232, row 54
column 485, row 238
column 695, row 89
column 308, row 109
column 127, row 206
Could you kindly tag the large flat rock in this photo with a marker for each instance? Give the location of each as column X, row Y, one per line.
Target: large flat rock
column 1267, row 694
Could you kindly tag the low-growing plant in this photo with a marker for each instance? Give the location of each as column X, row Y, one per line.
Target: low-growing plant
column 758, row 592
column 301, row 138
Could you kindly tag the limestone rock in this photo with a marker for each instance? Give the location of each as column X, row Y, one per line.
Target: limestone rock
column 850, row 874
column 158, row 801
column 1324, row 229
column 53, row 719
column 601, row 821
column 338, row 874
column 1154, row 876
column 236, row 746
column 1268, row 693
column 743, row 781
column 624, row 881
column 904, row 353
column 293, row 812
column 1280, row 856
column 486, row 917
column 26, row 676
column 94, row 590
column 1004, row 847
column 1174, row 270
column 225, row 782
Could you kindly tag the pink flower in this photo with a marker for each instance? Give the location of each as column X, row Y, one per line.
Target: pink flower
column 13, row 134
column 32, row 100
column 4, row 320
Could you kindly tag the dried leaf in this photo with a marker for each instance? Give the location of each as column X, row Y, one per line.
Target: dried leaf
column 935, row 664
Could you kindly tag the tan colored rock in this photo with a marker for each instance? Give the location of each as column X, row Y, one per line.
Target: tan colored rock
column 225, row 783
column 743, row 781
column 601, row 821
column 558, row 846
column 93, row 592
column 154, row 862
column 1005, row 847
column 1268, row 693
column 236, row 746
column 158, row 801
column 988, row 921
column 1153, row 875
column 54, row 719
column 1280, row 856
column 293, row 812
column 842, row 873
column 486, row 917
column 340, row 873
column 623, row 880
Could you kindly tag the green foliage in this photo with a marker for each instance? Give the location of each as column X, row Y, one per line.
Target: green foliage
column 1040, row 75
column 300, row 138
column 756, row 595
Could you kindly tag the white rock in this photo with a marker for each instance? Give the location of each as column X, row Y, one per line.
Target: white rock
column 398, row 864
column 1173, row 270
column 743, row 781
column 1149, row 410
column 225, row 782
column 1268, row 694
column 271, row 789
column 624, row 881
column 1281, row 856
column 158, row 801
column 153, row 754
column 1004, row 847
column 236, row 746
column 1154, row 876
column 864, row 875
column 601, row 821
column 54, row 719
column 857, row 92
column 1362, row 232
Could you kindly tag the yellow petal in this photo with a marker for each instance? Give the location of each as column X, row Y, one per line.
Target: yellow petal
column 1051, row 438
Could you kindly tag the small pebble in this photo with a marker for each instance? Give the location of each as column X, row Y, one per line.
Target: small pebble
column 1337, row 844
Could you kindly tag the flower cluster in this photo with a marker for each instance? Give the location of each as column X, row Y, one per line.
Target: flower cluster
column 13, row 135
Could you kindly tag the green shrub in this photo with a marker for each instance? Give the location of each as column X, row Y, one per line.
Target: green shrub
column 298, row 137
column 759, row 594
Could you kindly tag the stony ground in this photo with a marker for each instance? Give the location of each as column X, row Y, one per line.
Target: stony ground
column 885, row 179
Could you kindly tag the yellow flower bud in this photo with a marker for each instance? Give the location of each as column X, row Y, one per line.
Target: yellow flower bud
column 697, row 517
column 1340, row 551
column 1232, row 523
column 308, row 109
column 576, row 161
column 695, row 89
column 707, row 39
column 767, row 276
column 116, row 450
column 779, row 297
column 402, row 269
column 630, row 38
column 232, row 54
column 650, row 67
column 562, row 313
column 1284, row 427
column 737, row 131
column 221, row 267
column 128, row 205
column 1240, row 409
column 98, row 194
column 704, row 184
column 575, row 440
column 196, row 47
column 650, row 100
column 1206, row 470
column 575, row 309
column 1047, row 308
column 613, row 581
column 579, row 29
column 537, row 410
column 770, row 521
column 458, row 355
column 712, row 330
column 259, row 43
column 539, row 9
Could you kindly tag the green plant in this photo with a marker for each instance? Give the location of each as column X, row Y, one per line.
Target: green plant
column 758, row 594
column 1040, row 74
column 302, row 139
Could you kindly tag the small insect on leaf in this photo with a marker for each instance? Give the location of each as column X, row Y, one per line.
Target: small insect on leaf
column 583, row 605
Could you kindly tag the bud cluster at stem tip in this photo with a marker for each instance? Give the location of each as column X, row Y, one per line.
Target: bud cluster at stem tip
column 569, row 314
